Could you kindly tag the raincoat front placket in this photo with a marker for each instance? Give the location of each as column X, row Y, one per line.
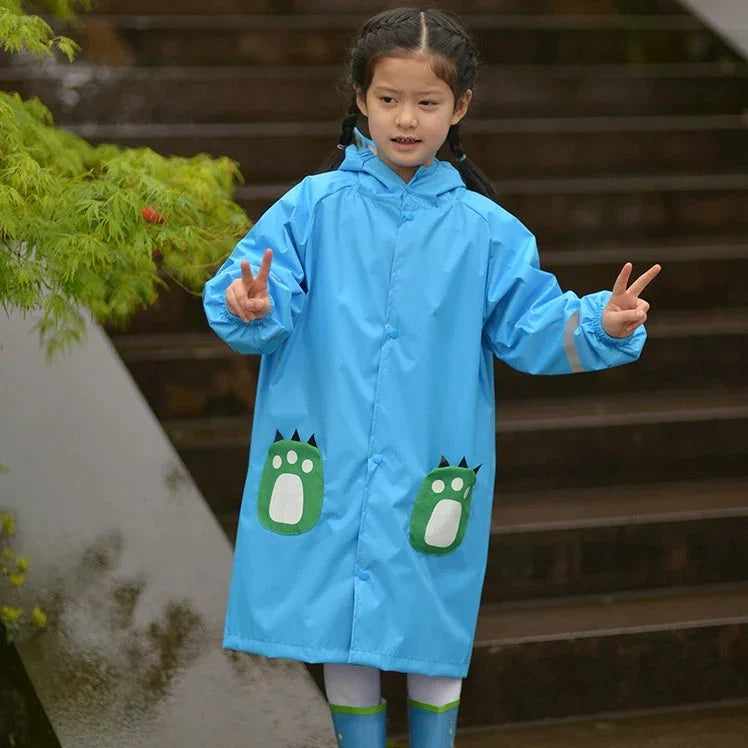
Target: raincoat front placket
column 364, row 586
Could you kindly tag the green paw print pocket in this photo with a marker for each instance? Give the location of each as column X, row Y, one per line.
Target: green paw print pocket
column 442, row 508
column 291, row 486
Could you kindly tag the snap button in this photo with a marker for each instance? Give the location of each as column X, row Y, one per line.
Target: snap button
column 377, row 459
column 394, row 333
column 409, row 216
column 363, row 575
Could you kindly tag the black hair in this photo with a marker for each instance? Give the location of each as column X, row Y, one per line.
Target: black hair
column 454, row 59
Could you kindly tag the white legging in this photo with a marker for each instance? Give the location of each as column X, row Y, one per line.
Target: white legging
column 359, row 685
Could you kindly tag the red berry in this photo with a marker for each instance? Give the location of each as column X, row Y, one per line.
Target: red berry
column 150, row 215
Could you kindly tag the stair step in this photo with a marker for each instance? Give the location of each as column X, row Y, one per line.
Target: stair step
column 605, row 540
column 593, row 411
column 187, row 375
column 239, row 94
column 584, row 441
column 593, row 441
column 601, row 209
column 719, row 725
column 686, row 349
column 324, row 39
column 560, row 147
column 695, row 276
column 610, row 540
column 599, row 655
column 607, row 654
column 611, row 615
column 237, row 7
column 612, row 506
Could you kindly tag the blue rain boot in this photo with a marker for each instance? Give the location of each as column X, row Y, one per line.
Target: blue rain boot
column 360, row 727
column 432, row 726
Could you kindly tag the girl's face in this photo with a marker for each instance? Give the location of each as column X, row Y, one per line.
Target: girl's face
column 410, row 111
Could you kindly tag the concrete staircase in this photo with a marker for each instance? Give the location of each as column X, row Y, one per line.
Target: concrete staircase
column 616, row 130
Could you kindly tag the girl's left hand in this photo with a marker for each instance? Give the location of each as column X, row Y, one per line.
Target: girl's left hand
column 625, row 311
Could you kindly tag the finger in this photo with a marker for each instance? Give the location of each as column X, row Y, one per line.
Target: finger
column 264, row 271
column 644, row 280
column 627, row 329
column 249, row 306
column 642, row 305
column 634, row 325
column 233, row 302
column 629, row 317
column 247, row 276
column 257, row 303
column 619, row 287
column 230, row 305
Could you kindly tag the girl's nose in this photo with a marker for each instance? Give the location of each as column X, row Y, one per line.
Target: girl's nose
column 406, row 117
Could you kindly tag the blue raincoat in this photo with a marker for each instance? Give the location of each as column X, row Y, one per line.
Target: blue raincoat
column 365, row 519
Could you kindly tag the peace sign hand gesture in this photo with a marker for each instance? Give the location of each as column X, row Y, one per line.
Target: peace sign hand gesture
column 247, row 297
column 625, row 311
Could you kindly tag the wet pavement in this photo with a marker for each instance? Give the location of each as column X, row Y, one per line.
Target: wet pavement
column 131, row 569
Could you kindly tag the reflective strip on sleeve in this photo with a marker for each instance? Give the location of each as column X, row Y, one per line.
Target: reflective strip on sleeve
column 569, row 348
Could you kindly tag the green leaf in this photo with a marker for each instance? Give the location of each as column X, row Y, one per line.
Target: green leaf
column 72, row 232
column 67, row 46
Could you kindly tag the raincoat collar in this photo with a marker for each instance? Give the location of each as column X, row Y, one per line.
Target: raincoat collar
column 428, row 181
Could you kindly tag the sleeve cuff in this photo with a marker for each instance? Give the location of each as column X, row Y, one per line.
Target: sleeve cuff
column 592, row 321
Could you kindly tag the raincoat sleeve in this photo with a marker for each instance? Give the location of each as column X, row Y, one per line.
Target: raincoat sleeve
column 283, row 228
column 535, row 327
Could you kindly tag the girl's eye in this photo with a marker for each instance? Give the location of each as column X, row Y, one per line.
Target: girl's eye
column 387, row 99
column 430, row 103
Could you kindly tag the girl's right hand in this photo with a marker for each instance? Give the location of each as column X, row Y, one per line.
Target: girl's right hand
column 247, row 297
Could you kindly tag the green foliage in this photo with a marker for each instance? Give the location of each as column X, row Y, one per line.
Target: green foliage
column 21, row 32
column 98, row 227
column 14, row 568
column 73, row 229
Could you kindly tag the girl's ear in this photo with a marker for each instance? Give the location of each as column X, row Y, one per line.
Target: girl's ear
column 461, row 107
column 361, row 101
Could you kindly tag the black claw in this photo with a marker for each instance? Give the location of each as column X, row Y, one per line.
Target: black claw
column 463, row 462
column 278, row 436
column 296, row 437
column 476, row 469
column 444, row 462
column 312, row 441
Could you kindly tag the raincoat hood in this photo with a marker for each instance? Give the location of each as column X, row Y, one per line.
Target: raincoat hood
column 429, row 182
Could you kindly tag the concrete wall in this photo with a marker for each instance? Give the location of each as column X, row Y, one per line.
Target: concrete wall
column 131, row 566
column 729, row 18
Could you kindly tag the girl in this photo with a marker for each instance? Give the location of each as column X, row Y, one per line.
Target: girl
column 395, row 278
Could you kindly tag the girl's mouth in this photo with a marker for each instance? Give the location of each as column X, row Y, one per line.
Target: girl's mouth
column 405, row 143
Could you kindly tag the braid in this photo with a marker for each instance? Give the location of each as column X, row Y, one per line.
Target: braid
column 471, row 174
column 349, row 123
column 453, row 138
column 334, row 160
